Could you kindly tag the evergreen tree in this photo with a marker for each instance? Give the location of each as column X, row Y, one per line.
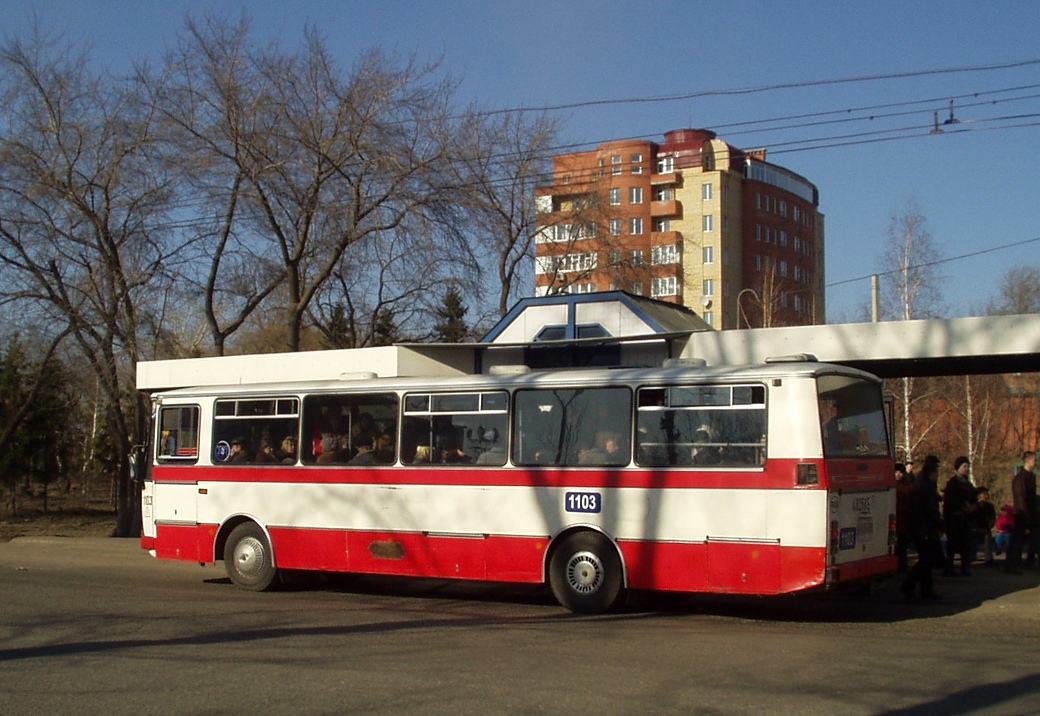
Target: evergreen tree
column 339, row 332
column 385, row 329
column 451, row 326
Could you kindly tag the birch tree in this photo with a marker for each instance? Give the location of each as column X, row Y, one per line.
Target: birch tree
column 911, row 289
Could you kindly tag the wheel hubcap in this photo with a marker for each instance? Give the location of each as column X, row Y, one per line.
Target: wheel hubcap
column 584, row 572
column 249, row 557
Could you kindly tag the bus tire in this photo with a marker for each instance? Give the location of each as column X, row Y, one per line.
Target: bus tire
column 585, row 573
column 248, row 558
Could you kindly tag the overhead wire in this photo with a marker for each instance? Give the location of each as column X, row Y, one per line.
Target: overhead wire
column 791, row 146
column 937, row 262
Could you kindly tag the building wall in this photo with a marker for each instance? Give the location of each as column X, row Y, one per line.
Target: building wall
column 733, row 220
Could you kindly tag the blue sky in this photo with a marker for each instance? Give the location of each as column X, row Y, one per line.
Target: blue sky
column 978, row 186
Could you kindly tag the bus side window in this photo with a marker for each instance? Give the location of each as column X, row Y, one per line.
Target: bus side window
column 339, row 429
column 178, row 434
column 590, row 427
column 253, row 430
column 466, row 428
column 701, row 426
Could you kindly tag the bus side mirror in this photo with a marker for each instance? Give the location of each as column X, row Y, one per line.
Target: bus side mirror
column 138, row 463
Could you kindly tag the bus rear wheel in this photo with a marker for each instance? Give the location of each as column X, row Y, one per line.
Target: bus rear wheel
column 585, row 573
column 248, row 558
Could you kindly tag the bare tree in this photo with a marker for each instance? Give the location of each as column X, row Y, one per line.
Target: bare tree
column 400, row 273
column 80, row 195
column 297, row 161
column 1019, row 292
column 501, row 160
column 913, row 283
column 912, row 289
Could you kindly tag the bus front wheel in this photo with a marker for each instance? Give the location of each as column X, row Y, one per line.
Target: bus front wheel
column 248, row 558
column 585, row 573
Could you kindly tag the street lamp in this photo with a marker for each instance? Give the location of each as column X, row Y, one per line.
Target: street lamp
column 740, row 306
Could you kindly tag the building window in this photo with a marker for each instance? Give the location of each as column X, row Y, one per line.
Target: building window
column 758, row 262
column 663, row 194
column 758, row 200
column 797, row 214
column 615, row 196
column 783, row 239
column 783, row 209
column 615, row 258
column 709, row 318
column 637, row 163
column 797, row 273
column 566, row 263
column 709, row 287
column 637, row 288
column 706, row 192
column 667, row 286
column 708, row 223
column 664, row 255
column 635, row 226
column 615, row 227
column 581, row 288
column 758, row 232
column 662, row 224
column 635, row 195
column 783, row 269
column 709, row 254
column 797, row 245
column 615, row 164
column 665, row 165
column 636, row 257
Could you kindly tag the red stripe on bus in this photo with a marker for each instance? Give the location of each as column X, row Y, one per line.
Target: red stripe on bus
column 778, row 474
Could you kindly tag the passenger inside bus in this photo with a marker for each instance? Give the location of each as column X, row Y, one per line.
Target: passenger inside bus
column 338, row 453
column 383, row 454
column 238, row 452
column 453, row 454
column 423, row 454
column 606, row 451
column 288, row 450
column 266, row 452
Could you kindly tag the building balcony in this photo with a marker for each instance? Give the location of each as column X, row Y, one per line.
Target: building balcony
column 665, row 238
column 670, row 207
column 667, row 178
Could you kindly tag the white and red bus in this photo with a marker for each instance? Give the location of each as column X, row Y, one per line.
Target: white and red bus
column 763, row 479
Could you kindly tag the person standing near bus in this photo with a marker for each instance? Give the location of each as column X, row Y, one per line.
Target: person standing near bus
column 959, row 505
column 985, row 521
column 1023, row 492
column 926, row 526
column 904, row 491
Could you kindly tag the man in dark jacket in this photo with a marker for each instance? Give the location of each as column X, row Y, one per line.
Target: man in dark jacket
column 925, row 528
column 959, row 504
column 1023, row 492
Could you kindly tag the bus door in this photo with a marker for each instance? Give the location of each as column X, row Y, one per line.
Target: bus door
column 860, row 477
column 170, row 497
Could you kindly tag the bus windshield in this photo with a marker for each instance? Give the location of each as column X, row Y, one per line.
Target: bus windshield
column 852, row 417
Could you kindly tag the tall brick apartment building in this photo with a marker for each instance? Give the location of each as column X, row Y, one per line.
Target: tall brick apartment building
column 692, row 221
